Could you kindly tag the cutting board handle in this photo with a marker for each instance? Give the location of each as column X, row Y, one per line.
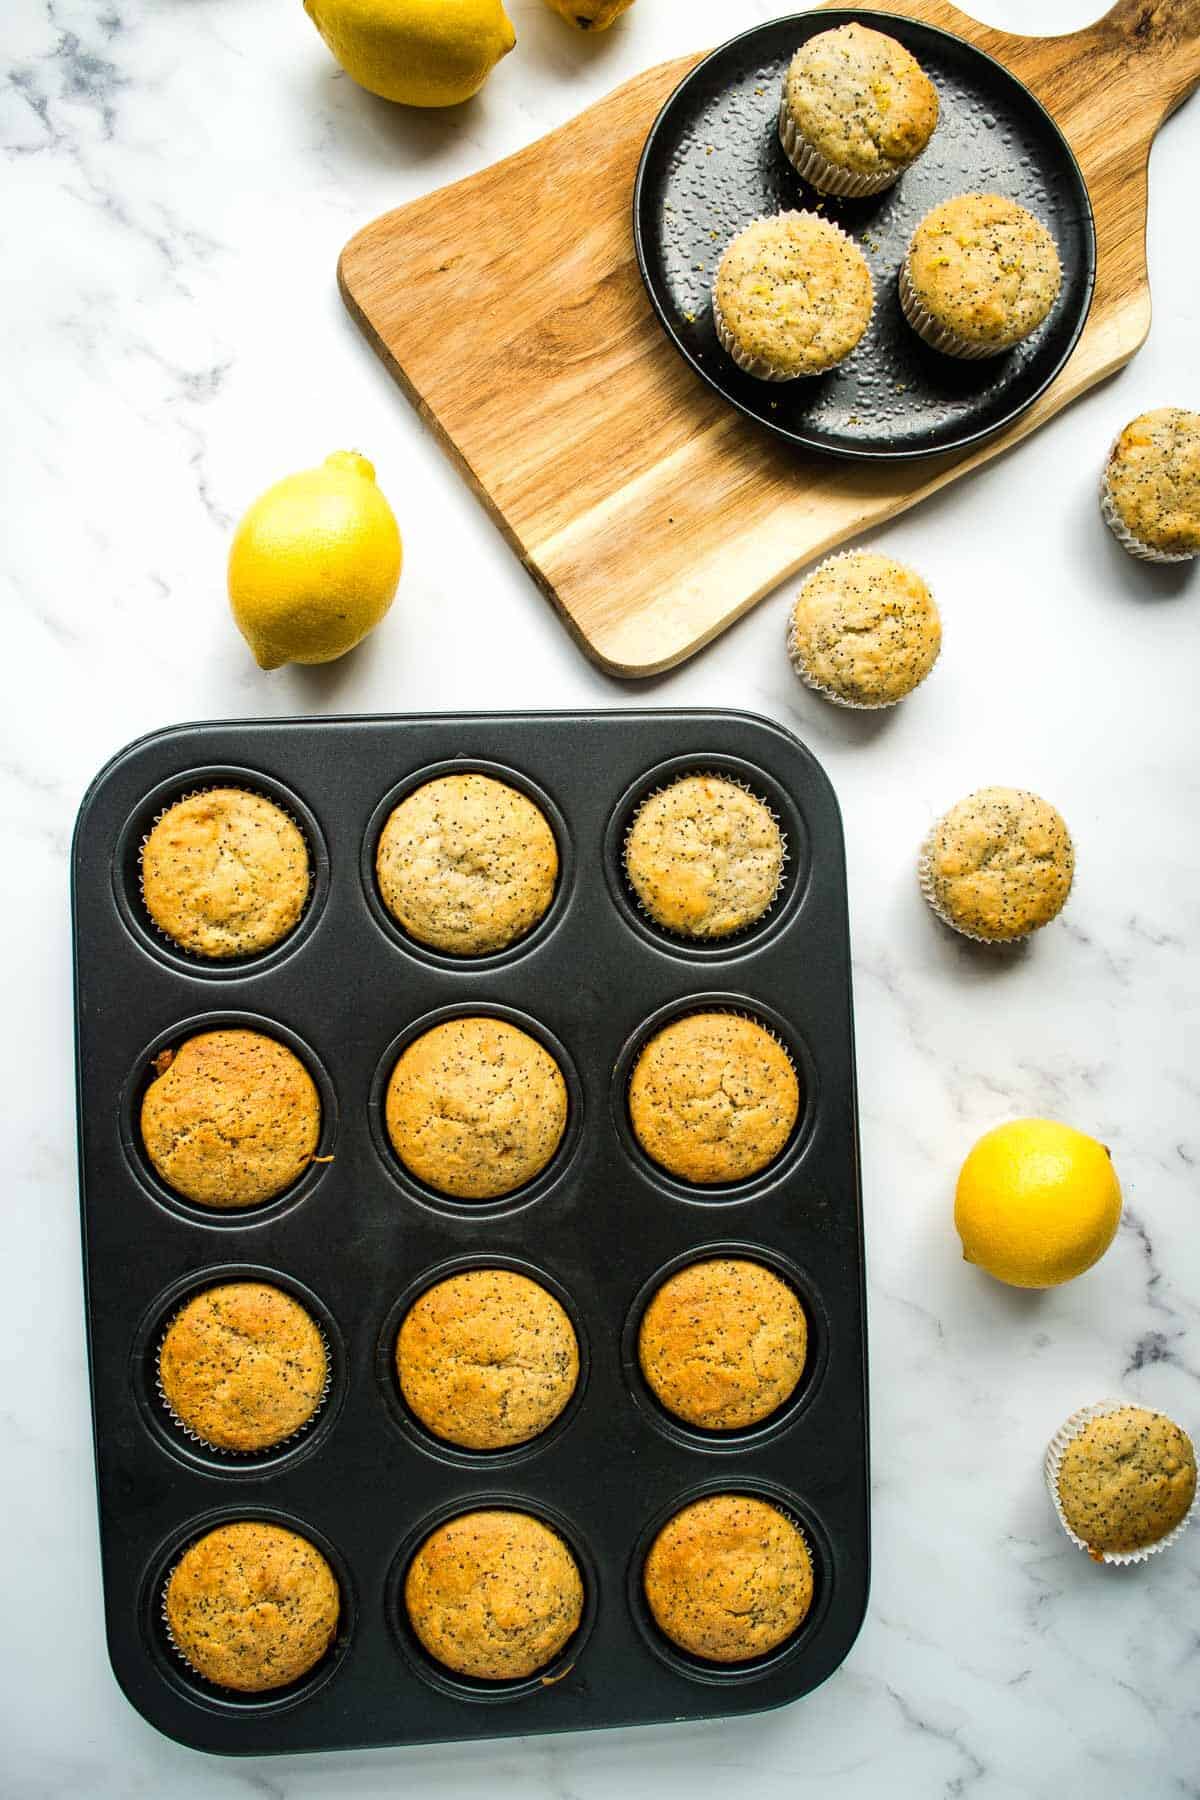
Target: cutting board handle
column 1155, row 46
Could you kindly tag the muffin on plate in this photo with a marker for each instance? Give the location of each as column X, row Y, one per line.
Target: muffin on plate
column 1122, row 1479
column 792, row 297
column 723, row 1343
column 495, row 1595
column 487, row 1359
column 243, row 1366
column 231, row 1120
column 476, row 1108
column 864, row 631
column 713, row 1098
column 704, row 857
column 467, row 864
column 251, row 1606
column 998, row 865
column 225, row 873
column 729, row 1578
column 857, row 110
column 980, row 275
column 1151, row 492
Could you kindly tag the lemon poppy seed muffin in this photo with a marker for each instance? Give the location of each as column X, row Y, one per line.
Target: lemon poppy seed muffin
column 980, row 275
column 998, row 865
column 864, row 630
column 494, row 1595
column 729, row 1578
column 466, row 864
column 704, row 857
column 857, row 110
column 231, row 1120
column 487, row 1358
column 723, row 1343
column 243, row 1366
column 713, row 1098
column 252, row 1606
column 225, row 873
column 1123, row 1479
column 793, row 296
column 1151, row 493
column 476, row 1108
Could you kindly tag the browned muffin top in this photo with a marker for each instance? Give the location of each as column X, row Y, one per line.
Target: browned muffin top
column 252, row 1606
column 729, row 1578
column 713, row 1097
column 1153, row 479
column 1127, row 1480
column 999, row 864
column 704, row 857
column 225, row 873
column 723, row 1342
column 243, row 1366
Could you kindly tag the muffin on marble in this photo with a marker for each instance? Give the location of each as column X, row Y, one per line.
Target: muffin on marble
column 1150, row 497
column 713, row 1098
column 728, row 1578
column 792, row 297
column 487, row 1359
column 466, row 864
column 864, row 630
column 251, row 1606
column 857, row 110
column 723, row 1343
column 704, row 857
column 998, row 865
column 225, row 873
column 243, row 1366
column 231, row 1119
column 980, row 275
column 476, row 1108
column 1123, row 1480
column 495, row 1595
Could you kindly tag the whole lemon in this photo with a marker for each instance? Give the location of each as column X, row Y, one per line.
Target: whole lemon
column 419, row 52
column 314, row 563
column 590, row 15
column 1037, row 1203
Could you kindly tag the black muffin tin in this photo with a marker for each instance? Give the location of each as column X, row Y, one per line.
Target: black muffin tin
column 357, row 1238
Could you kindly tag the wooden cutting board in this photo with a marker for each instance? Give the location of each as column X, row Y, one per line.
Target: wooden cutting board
column 510, row 308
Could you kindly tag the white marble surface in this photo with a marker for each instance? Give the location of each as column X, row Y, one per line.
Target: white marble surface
column 180, row 177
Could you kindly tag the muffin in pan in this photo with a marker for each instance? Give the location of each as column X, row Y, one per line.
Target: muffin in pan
column 494, row 1595
column 252, row 1606
column 225, row 873
column 998, row 866
column 1123, row 1480
column 231, row 1119
column 723, row 1343
column 487, row 1359
column 793, row 296
column 713, row 1098
column 857, row 110
column 980, row 275
column 1150, row 496
column 243, row 1367
column 729, row 1578
column 864, row 631
column 705, row 857
column 466, row 864
column 476, row 1108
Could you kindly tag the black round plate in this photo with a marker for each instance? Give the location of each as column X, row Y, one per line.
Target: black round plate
column 713, row 162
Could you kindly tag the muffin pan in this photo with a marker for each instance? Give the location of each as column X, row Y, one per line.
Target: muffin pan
column 356, row 1239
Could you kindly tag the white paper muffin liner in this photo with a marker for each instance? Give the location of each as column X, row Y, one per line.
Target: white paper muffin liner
column 1055, row 1451
column 1136, row 546
column 939, row 336
column 758, row 366
column 725, row 937
column 813, row 166
column 224, row 1449
column 800, row 668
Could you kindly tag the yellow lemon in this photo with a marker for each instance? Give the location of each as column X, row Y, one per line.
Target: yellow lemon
column 419, row 52
column 314, row 563
column 590, row 15
column 1037, row 1203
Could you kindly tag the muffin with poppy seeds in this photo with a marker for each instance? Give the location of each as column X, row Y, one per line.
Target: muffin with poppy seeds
column 864, row 631
column 980, row 275
column 713, row 1097
column 704, row 857
column 998, row 866
column 225, row 873
column 793, row 296
column 729, row 1578
column 1151, row 492
column 857, row 110
column 243, row 1366
column 1122, row 1478
column 252, row 1606
column 723, row 1343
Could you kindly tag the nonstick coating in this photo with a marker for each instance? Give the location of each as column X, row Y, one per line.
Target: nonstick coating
column 355, row 1239
column 713, row 162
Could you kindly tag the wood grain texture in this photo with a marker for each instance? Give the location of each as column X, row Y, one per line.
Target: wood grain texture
column 510, row 308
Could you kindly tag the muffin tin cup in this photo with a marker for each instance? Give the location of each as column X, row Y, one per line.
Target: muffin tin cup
column 1056, row 1450
column 1127, row 539
column 759, row 366
column 800, row 667
column 932, row 332
column 813, row 166
column 357, row 1238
